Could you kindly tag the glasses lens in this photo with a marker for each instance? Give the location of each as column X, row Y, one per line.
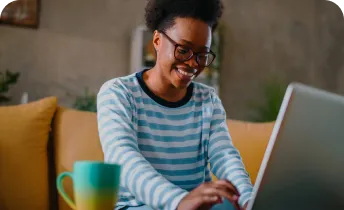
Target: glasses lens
column 183, row 53
column 205, row 59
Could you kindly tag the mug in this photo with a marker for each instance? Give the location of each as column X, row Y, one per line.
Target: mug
column 96, row 185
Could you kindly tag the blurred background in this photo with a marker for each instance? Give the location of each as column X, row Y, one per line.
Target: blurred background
column 69, row 48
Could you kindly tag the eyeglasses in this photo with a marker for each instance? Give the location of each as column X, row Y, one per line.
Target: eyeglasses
column 183, row 53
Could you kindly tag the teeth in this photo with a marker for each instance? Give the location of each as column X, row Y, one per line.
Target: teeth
column 185, row 73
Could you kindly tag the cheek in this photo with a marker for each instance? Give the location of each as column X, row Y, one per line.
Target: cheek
column 166, row 60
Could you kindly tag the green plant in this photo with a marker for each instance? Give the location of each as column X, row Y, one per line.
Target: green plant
column 273, row 92
column 6, row 80
column 86, row 102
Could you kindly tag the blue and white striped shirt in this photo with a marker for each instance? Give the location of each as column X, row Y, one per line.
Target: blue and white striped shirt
column 164, row 147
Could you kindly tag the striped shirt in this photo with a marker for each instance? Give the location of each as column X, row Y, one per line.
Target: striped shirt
column 164, row 147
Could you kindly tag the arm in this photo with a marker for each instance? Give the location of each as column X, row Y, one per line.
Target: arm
column 225, row 160
column 119, row 142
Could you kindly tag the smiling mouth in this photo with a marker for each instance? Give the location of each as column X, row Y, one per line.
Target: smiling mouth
column 184, row 75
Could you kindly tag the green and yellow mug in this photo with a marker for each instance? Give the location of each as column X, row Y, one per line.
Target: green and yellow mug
column 95, row 184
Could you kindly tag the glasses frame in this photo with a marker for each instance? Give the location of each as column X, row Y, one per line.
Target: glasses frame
column 176, row 45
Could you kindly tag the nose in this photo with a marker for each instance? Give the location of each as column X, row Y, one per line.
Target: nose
column 192, row 62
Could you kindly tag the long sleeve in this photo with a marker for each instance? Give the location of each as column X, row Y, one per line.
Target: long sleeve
column 225, row 160
column 118, row 136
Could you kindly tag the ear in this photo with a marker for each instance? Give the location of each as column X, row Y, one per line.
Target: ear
column 156, row 40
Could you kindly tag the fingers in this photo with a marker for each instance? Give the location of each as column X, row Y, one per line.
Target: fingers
column 227, row 185
column 211, row 199
column 231, row 188
column 212, row 193
column 210, row 196
column 206, row 200
column 224, row 189
column 215, row 190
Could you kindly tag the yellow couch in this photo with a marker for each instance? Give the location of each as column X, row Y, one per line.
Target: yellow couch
column 74, row 137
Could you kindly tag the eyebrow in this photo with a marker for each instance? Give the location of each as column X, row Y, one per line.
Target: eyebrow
column 190, row 43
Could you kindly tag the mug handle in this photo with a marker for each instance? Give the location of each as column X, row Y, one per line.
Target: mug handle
column 61, row 189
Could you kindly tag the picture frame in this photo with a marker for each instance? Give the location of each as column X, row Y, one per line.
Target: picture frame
column 21, row 13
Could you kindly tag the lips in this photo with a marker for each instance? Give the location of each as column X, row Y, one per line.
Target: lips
column 184, row 75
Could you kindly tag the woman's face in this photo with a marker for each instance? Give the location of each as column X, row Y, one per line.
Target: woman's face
column 191, row 37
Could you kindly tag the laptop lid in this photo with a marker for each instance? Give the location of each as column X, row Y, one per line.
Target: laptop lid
column 303, row 166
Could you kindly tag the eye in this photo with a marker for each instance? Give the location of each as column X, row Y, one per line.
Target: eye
column 203, row 57
column 182, row 51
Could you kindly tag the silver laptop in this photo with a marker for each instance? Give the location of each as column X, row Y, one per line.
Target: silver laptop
column 303, row 167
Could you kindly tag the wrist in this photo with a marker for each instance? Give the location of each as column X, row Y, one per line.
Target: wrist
column 174, row 205
column 245, row 205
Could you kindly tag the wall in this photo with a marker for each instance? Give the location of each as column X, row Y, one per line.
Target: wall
column 81, row 43
column 300, row 40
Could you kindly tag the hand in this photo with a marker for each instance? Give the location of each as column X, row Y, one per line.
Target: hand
column 208, row 194
column 245, row 206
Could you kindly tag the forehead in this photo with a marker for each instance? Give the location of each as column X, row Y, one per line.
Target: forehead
column 191, row 30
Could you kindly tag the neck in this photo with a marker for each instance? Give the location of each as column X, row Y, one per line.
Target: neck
column 161, row 86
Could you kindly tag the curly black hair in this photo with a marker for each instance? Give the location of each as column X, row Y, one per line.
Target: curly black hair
column 160, row 14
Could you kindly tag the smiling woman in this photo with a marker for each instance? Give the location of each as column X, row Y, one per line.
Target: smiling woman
column 164, row 128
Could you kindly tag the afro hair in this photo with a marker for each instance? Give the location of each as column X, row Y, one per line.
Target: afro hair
column 160, row 14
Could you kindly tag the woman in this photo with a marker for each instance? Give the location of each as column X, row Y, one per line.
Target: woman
column 163, row 128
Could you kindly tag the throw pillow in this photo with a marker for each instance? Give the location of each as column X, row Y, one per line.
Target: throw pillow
column 24, row 133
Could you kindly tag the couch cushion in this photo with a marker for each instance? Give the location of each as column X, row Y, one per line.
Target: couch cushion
column 75, row 138
column 251, row 139
column 24, row 133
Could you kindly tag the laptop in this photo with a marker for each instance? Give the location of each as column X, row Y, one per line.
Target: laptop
column 303, row 166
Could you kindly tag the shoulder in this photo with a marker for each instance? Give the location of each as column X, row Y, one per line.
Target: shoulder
column 206, row 93
column 119, row 85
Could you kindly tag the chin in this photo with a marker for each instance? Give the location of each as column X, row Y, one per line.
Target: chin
column 181, row 85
